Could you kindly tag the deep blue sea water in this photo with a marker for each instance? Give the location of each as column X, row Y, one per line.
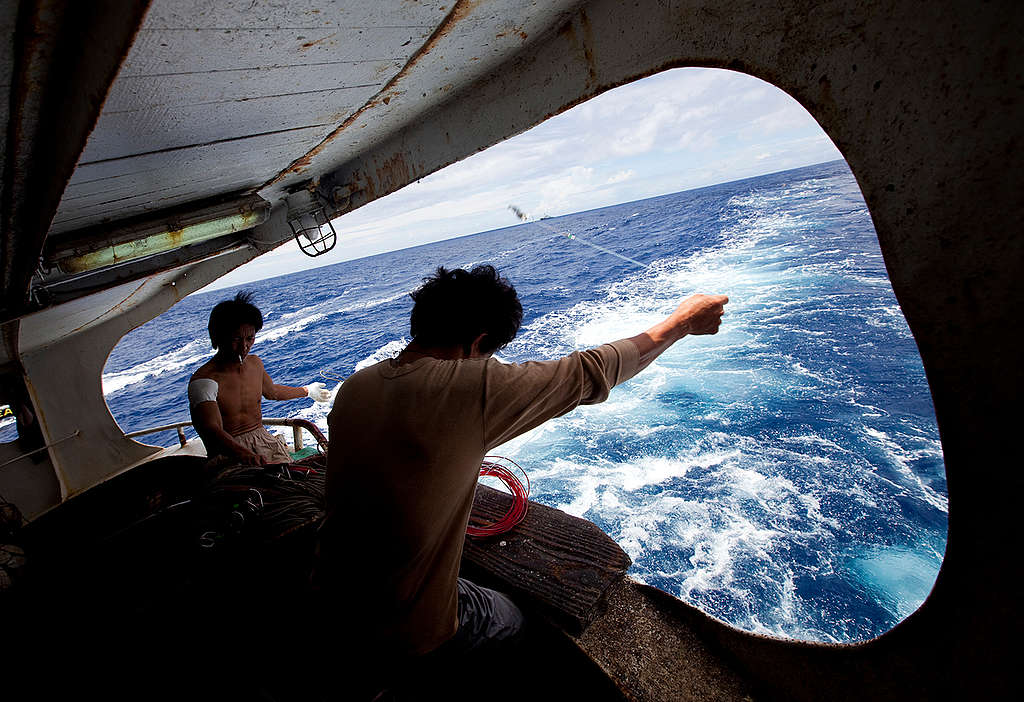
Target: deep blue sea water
column 784, row 475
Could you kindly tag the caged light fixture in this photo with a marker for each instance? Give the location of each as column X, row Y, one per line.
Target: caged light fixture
column 308, row 219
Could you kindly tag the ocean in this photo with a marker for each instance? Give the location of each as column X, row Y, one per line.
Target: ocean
column 784, row 475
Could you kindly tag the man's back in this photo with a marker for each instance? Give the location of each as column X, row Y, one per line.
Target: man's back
column 406, row 445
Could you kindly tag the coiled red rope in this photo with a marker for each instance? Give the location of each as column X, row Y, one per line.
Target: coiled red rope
column 520, row 495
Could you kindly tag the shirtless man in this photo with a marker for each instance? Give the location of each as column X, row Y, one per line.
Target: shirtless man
column 224, row 394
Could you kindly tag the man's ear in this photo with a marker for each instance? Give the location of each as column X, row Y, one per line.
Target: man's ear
column 474, row 348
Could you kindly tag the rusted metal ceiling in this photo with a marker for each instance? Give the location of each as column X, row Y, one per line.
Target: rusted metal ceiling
column 58, row 61
column 219, row 97
column 219, row 102
column 244, row 96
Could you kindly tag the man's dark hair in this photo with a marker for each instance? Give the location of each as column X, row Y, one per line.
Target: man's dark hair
column 453, row 307
column 227, row 316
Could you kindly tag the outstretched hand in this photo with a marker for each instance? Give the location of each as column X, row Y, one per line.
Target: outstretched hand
column 318, row 392
column 700, row 314
column 697, row 314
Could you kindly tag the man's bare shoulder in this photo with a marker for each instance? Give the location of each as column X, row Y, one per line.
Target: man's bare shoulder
column 207, row 370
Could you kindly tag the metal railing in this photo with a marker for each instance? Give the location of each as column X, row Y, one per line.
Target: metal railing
column 297, row 426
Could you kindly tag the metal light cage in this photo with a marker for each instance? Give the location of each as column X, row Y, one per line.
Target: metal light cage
column 313, row 231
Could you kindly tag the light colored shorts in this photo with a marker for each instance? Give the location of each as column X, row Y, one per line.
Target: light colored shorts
column 263, row 443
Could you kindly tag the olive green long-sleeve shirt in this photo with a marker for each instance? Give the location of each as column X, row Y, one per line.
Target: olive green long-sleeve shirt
column 406, row 443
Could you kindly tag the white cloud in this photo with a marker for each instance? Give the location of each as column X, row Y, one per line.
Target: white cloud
column 641, row 135
column 559, row 191
column 621, row 176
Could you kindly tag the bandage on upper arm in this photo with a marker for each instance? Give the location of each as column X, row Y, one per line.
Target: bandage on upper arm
column 202, row 390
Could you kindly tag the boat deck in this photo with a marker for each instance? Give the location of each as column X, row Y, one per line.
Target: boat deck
column 188, row 586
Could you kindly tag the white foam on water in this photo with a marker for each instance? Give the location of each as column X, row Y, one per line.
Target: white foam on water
column 748, row 515
column 716, row 547
column 274, row 333
column 901, row 458
column 388, row 350
column 887, row 317
column 754, row 200
column 735, row 503
column 303, row 318
column 192, row 353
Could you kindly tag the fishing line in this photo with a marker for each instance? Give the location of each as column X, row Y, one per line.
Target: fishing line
column 328, row 376
column 574, row 237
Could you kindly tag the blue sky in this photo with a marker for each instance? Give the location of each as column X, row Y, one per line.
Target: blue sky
column 682, row 129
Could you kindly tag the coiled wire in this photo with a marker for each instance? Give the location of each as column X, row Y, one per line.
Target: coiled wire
column 502, row 468
column 287, row 498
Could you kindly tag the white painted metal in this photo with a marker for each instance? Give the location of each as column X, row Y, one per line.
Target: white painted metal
column 216, row 98
column 226, row 99
column 63, row 350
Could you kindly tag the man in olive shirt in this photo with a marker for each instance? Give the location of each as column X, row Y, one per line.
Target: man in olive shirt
column 407, row 439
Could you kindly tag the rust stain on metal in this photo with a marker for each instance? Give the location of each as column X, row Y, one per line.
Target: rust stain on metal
column 518, row 31
column 460, row 10
column 301, row 163
column 583, row 47
column 391, row 173
column 569, row 32
column 309, row 44
column 175, row 237
column 588, row 53
column 393, row 170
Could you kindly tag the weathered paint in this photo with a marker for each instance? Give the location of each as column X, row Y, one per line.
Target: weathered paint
column 55, row 100
column 458, row 11
column 392, row 173
column 213, row 98
column 86, row 329
column 158, row 243
column 450, row 54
